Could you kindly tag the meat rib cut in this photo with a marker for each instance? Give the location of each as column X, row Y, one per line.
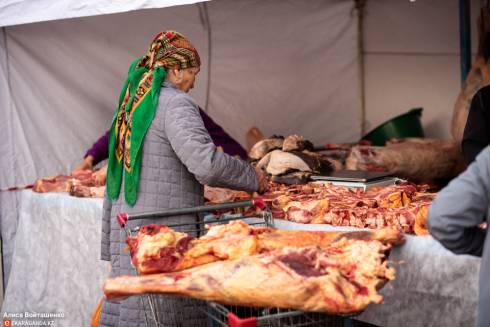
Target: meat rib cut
column 158, row 248
column 340, row 279
column 403, row 206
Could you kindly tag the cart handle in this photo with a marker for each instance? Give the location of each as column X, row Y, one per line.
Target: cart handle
column 123, row 217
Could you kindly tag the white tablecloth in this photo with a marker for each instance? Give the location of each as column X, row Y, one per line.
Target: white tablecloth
column 56, row 266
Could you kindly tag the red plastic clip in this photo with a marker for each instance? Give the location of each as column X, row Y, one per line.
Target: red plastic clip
column 122, row 218
column 259, row 203
column 234, row 321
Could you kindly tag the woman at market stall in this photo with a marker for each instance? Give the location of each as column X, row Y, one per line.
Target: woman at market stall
column 456, row 217
column 160, row 155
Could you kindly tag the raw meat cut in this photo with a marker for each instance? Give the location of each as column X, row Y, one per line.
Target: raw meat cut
column 279, row 162
column 401, row 206
column 158, row 248
column 52, row 184
column 79, row 190
column 261, row 148
column 220, row 195
column 296, row 143
column 419, row 160
column 340, row 279
column 81, row 184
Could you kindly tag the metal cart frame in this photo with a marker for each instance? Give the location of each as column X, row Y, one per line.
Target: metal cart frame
column 220, row 315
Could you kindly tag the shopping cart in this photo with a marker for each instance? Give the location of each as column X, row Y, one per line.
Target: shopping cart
column 234, row 316
column 221, row 315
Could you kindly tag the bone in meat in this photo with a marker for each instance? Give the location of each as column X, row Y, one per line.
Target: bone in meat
column 158, row 248
column 336, row 281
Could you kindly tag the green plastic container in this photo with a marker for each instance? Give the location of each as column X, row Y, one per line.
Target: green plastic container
column 402, row 126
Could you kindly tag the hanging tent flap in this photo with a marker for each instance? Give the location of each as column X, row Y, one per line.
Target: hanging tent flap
column 15, row 12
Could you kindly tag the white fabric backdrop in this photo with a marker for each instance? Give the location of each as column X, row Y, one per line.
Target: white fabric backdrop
column 286, row 66
column 8, row 200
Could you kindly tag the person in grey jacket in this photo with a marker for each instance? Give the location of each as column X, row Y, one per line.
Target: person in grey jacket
column 455, row 217
column 160, row 155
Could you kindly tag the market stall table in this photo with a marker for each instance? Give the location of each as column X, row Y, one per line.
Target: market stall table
column 56, row 266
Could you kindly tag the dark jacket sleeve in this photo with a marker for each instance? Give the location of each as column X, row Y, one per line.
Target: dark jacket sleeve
column 476, row 132
column 100, row 149
column 460, row 207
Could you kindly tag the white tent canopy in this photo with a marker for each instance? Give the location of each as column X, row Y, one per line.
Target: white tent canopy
column 15, row 12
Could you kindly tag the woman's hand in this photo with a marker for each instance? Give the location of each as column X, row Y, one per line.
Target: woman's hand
column 263, row 180
column 100, row 176
column 87, row 163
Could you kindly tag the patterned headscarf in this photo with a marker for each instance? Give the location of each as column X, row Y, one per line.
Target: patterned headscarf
column 137, row 106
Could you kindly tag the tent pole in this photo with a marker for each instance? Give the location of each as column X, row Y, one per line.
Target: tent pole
column 360, row 5
column 465, row 38
column 11, row 161
column 203, row 10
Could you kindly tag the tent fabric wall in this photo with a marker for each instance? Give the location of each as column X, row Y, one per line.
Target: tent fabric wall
column 8, row 200
column 412, row 59
column 292, row 68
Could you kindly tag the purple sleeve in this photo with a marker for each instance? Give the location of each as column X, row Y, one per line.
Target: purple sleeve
column 100, row 149
column 221, row 138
